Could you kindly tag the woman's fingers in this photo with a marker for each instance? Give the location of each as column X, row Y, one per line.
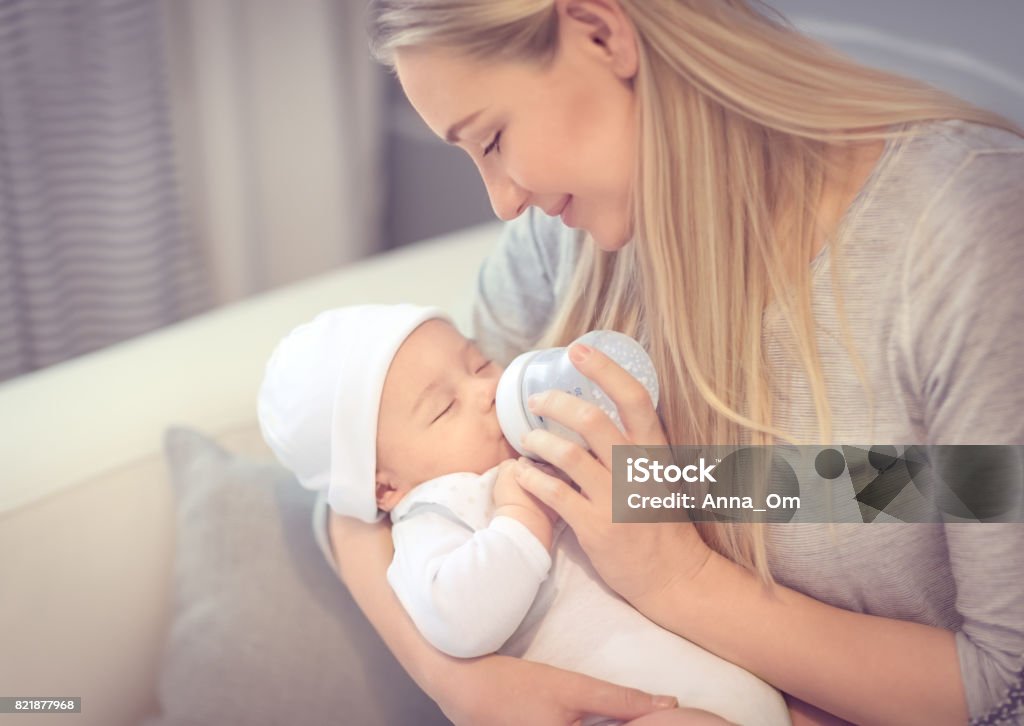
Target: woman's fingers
column 500, row 690
column 591, row 696
column 584, row 418
column 580, row 466
column 627, row 393
column 552, row 491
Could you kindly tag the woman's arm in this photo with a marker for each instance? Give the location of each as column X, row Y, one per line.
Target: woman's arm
column 804, row 714
column 863, row 668
column 481, row 691
column 365, row 577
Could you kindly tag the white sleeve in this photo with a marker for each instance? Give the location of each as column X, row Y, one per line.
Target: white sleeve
column 466, row 591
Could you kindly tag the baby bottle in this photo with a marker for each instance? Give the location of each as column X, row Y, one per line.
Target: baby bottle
column 543, row 370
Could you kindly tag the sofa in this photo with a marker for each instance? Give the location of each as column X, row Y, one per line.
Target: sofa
column 92, row 525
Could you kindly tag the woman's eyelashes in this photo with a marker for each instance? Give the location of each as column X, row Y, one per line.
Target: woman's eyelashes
column 495, row 145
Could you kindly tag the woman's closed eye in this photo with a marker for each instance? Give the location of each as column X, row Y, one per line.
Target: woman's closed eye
column 495, row 145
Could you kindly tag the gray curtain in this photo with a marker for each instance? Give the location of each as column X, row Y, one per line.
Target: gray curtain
column 92, row 245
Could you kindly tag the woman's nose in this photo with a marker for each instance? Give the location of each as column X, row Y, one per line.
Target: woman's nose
column 508, row 199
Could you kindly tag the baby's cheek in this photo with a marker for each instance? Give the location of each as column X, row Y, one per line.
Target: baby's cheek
column 489, row 454
column 425, row 459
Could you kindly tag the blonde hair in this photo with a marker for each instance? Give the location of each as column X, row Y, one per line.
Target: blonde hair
column 736, row 112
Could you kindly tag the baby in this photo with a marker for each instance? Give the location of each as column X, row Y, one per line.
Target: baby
column 391, row 411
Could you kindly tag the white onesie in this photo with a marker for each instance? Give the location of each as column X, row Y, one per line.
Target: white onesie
column 476, row 584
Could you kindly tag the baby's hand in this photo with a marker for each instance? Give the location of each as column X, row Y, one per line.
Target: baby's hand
column 505, row 485
column 511, row 500
column 507, row 492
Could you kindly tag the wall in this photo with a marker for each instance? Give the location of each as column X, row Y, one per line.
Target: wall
column 277, row 112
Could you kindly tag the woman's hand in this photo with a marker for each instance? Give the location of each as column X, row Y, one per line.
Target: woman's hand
column 499, row 690
column 638, row 561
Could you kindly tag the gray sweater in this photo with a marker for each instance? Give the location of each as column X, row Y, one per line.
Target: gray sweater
column 933, row 288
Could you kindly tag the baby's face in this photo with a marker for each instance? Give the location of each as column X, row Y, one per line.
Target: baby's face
column 437, row 413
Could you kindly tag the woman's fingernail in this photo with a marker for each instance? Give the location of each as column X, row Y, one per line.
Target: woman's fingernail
column 666, row 701
column 579, row 353
column 533, row 402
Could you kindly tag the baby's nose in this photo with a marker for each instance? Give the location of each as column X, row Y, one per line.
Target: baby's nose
column 485, row 394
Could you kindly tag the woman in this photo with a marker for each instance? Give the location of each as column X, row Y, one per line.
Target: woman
column 811, row 251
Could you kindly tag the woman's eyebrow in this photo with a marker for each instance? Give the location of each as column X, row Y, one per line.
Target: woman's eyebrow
column 452, row 136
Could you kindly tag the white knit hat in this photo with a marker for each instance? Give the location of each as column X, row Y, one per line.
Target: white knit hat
column 320, row 397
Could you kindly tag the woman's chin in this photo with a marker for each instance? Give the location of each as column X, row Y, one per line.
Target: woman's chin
column 611, row 241
column 610, row 233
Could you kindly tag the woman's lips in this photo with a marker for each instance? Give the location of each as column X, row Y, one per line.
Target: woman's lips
column 563, row 209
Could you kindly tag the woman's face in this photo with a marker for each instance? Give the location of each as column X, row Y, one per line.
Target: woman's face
column 561, row 139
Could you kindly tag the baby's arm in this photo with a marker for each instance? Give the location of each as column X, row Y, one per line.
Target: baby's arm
column 466, row 591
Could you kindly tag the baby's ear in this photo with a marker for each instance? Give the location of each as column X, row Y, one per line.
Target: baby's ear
column 387, row 496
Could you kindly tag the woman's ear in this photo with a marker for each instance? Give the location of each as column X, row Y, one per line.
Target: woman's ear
column 602, row 26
